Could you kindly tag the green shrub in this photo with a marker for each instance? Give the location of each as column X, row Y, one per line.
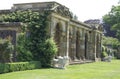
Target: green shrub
column 4, row 68
column 104, row 52
column 22, row 49
column 49, row 52
column 19, row 66
column 6, row 50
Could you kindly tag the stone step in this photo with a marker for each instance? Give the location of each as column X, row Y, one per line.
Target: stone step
column 81, row 62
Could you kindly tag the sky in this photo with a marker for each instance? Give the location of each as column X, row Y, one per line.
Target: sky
column 84, row 9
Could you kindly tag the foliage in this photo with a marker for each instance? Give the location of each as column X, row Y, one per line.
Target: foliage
column 22, row 49
column 6, row 50
column 19, row 66
column 113, row 19
column 49, row 52
column 107, row 30
column 114, row 42
column 36, row 25
column 104, row 52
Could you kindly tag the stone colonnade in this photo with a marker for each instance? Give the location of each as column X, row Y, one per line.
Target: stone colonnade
column 75, row 39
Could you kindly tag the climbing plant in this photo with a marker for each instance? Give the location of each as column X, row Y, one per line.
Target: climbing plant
column 23, row 51
column 34, row 26
column 6, row 50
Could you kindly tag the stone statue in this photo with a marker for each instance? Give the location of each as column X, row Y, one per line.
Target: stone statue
column 61, row 62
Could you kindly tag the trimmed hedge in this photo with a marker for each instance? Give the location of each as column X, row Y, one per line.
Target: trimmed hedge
column 19, row 66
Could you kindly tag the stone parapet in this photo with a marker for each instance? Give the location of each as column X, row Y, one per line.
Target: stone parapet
column 5, row 11
column 10, row 24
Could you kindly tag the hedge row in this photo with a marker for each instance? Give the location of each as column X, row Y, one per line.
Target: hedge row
column 19, row 66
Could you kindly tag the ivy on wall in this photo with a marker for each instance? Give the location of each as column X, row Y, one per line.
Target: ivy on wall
column 34, row 30
column 6, row 50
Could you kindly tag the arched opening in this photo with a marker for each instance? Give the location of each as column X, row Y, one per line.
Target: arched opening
column 86, row 45
column 77, row 44
column 57, row 37
column 70, row 45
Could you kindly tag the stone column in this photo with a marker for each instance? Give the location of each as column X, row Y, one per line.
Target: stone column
column 95, row 45
column 75, row 58
column 100, row 44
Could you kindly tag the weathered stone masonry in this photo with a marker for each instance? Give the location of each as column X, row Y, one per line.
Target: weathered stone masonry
column 80, row 41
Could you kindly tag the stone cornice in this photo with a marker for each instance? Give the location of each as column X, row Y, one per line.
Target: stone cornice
column 81, row 23
column 5, row 11
column 10, row 24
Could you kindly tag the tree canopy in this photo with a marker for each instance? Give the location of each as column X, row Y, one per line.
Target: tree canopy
column 113, row 20
column 114, row 42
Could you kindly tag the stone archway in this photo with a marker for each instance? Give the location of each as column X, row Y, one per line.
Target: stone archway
column 71, row 55
column 86, row 46
column 57, row 37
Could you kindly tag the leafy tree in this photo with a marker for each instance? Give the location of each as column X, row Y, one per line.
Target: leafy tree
column 107, row 30
column 113, row 20
column 114, row 42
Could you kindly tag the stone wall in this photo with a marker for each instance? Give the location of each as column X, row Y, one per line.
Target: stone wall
column 79, row 41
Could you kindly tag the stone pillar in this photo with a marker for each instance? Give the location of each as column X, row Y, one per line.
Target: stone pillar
column 63, row 44
column 75, row 30
column 95, row 45
column 100, row 44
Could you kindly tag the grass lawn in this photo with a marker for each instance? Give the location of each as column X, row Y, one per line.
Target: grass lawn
column 97, row 70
